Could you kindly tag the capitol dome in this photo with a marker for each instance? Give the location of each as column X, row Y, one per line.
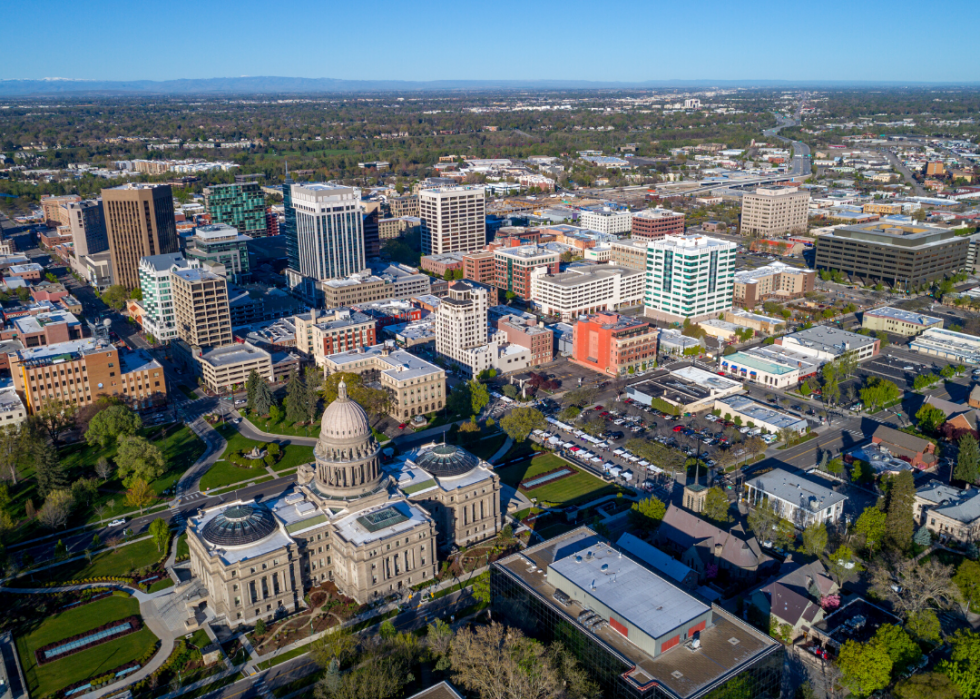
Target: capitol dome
column 239, row 526
column 447, row 461
column 344, row 420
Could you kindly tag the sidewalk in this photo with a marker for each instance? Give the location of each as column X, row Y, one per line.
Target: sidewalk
column 215, row 445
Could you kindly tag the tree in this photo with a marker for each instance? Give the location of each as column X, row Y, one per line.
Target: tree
column 569, row 413
column 933, row 685
column 967, row 581
column 84, row 490
column 842, row 561
column 481, row 589
column 716, row 505
column 865, row 668
column 112, row 423
column 763, row 520
column 595, row 426
column 968, row 461
column 103, row 469
column 48, row 469
column 520, row 422
column 379, row 677
column 12, row 448
column 251, row 387
column 313, row 381
column 140, row 494
column 871, row 525
column 930, row 418
column 115, row 297
column 925, row 626
column 137, row 458
column 264, row 398
column 963, row 667
column 375, row 401
column 835, row 466
column 498, row 662
column 815, row 539
column 582, row 396
column 899, row 646
column 160, row 531
column 647, row 514
column 479, row 396
column 295, row 399
column 56, row 509
column 260, row 627
column 338, row 646
column 914, row 586
column 55, row 418
column 878, row 392
column 900, row 523
column 275, row 414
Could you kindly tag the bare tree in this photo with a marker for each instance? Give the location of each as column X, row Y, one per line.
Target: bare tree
column 11, row 449
column 914, row 586
column 56, row 509
column 499, row 662
column 103, row 469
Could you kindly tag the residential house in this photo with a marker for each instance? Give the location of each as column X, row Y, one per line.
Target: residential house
column 948, row 512
column 917, row 451
column 793, row 598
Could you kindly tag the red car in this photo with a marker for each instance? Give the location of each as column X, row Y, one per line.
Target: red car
column 598, row 407
column 603, row 414
column 403, row 425
column 678, row 428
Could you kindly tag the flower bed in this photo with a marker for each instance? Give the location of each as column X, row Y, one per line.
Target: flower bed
column 93, row 637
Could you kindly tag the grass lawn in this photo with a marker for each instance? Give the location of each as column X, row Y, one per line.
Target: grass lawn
column 286, row 428
column 581, row 487
column 487, row 447
column 226, row 473
column 92, row 662
column 182, row 549
column 108, row 563
column 199, row 639
column 188, row 392
column 161, row 585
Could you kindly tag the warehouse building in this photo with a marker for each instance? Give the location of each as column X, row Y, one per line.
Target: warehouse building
column 956, row 347
column 899, row 321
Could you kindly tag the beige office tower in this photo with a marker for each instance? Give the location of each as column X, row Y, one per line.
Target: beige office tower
column 773, row 211
column 139, row 221
column 454, row 219
column 201, row 308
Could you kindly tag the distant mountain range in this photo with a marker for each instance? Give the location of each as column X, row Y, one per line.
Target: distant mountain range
column 296, row 86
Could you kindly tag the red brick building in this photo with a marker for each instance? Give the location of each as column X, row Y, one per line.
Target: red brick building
column 440, row 264
column 538, row 339
column 479, row 266
column 656, row 223
column 515, row 264
column 271, row 222
column 611, row 343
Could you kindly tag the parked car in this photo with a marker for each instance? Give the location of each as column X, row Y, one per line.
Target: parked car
column 117, row 522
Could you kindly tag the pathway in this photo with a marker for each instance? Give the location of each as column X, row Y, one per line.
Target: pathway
column 502, row 451
column 190, row 482
column 252, row 432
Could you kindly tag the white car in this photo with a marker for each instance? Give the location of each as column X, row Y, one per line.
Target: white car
column 117, row 522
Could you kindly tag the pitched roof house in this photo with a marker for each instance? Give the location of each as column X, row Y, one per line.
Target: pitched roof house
column 917, row 451
column 793, row 598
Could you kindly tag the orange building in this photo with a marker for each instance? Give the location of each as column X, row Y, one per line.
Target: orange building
column 935, row 169
column 479, row 266
column 614, row 344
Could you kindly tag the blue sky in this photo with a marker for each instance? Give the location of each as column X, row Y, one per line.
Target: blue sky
column 623, row 40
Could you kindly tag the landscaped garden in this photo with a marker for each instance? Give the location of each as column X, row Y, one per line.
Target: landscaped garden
column 97, row 660
column 140, row 560
column 225, row 472
column 565, row 490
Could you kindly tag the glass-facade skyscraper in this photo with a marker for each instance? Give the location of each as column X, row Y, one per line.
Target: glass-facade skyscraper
column 289, row 226
column 240, row 205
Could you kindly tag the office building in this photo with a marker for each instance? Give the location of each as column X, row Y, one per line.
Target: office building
column 155, row 272
column 651, row 224
column 221, row 245
column 139, row 222
column 200, row 301
column 240, row 205
column 230, row 365
column 614, row 345
column 610, row 221
column 329, row 235
column 584, row 290
column 636, row 634
column 760, row 415
column 480, row 266
column 799, row 500
column 527, row 333
column 514, row 266
column 758, row 322
column 453, row 219
column 78, row 372
column 902, row 256
column 628, row 253
column 898, row 321
column 372, row 234
column 461, row 320
column 956, row 347
column 338, row 330
column 407, row 205
column 687, row 389
column 777, row 281
column 87, row 222
column 438, row 265
column 56, row 209
column 271, row 222
column 288, row 229
column 689, row 276
column 774, row 211
column 827, row 343
column 416, row 386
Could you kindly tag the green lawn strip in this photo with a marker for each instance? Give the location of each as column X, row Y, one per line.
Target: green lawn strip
column 456, row 587
column 294, row 456
column 161, row 585
column 189, row 393
column 182, row 549
column 91, row 662
column 224, row 473
column 486, row 448
column 580, row 487
column 241, row 484
column 199, row 639
column 297, row 685
column 284, row 428
column 801, row 440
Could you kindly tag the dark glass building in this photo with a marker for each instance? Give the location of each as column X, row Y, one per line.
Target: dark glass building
column 288, row 227
column 637, row 634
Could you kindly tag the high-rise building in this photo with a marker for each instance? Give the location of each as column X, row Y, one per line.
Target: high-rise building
column 221, row 244
column 689, row 276
column 514, row 265
column 288, row 227
column 775, row 211
column 614, row 344
column 453, row 219
column 656, row 223
column 329, row 235
column 607, row 220
column 56, row 209
column 201, row 308
column 372, row 236
column 87, row 222
column 240, row 205
column 157, row 287
column 139, row 222
column 461, row 321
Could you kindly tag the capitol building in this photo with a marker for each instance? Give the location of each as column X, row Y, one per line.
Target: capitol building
column 371, row 528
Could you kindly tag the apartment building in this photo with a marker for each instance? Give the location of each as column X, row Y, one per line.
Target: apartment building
column 87, row 222
column 329, row 235
column 221, row 244
column 689, row 276
column 771, row 211
column 514, row 265
column 200, row 302
column 480, row 266
column 585, row 290
column 416, row 386
column 404, row 206
column 338, row 330
column 651, row 224
column 78, row 372
column 223, row 367
column 614, row 344
column 139, row 222
column 606, row 220
column 523, row 332
column 628, row 253
column 453, row 219
column 903, row 256
column 155, row 272
column 55, row 209
column 775, row 281
column 240, row 205
column 461, row 321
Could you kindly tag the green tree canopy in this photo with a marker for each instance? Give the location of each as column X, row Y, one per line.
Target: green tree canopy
column 900, row 523
column 865, row 668
column 716, row 505
column 647, row 514
column 930, row 418
column 871, row 525
column 112, row 423
column 968, row 460
column 520, row 422
column 479, row 396
column 901, row 649
column 138, row 459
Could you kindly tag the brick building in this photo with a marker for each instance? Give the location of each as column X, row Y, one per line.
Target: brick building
column 656, row 223
column 613, row 344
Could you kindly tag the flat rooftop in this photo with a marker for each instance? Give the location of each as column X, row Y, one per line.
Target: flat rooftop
column 230, row 355
column 761, row 413
column 904, row 316
column 793, row 487
column 401, row 364
column 828, row 337
column 579, row 276
column 61, row 351
column 683, row 386
column 748, row 276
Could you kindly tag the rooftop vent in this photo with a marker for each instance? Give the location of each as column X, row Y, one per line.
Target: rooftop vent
column 677, row 674
column 734, row 641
